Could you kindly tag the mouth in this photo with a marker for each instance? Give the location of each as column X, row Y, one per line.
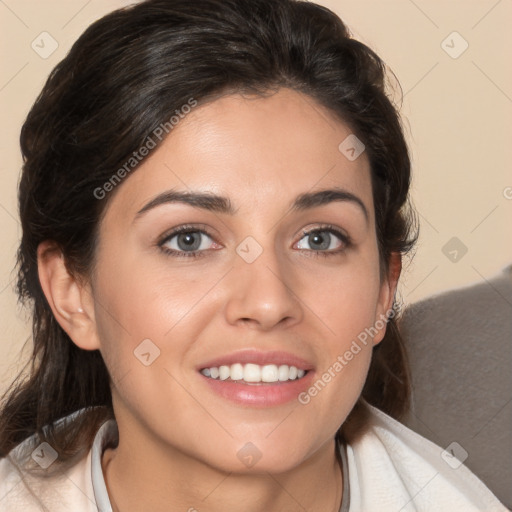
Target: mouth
column 254, row 378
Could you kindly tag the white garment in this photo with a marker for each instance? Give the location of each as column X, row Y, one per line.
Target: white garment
column 390, row 469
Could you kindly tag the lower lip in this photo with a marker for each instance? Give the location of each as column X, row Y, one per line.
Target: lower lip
column 262, row 394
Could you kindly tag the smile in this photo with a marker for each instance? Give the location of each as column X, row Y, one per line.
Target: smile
column 254, row 373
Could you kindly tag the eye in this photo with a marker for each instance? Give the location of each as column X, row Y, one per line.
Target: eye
column 326, row 239
column 186, row 241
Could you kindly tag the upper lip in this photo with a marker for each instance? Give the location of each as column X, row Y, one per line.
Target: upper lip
column 260, row 357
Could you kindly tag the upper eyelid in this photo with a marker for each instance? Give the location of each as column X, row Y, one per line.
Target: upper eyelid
column 171, row 233
column 328, row 227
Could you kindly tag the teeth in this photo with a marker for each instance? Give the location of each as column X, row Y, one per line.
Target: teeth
column 237, row 371
column 283, row 372
column 252, row 373
column 269, row 373
column 255, row 373
column 224, row 372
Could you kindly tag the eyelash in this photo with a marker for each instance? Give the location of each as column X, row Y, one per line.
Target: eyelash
column 346, row 241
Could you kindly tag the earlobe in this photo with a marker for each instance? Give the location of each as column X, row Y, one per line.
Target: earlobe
column 71, row 303
column 387, row 295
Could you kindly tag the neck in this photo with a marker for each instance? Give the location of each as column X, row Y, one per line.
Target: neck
column 177, row 482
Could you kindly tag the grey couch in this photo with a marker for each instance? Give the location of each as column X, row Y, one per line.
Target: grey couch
column 460, row 347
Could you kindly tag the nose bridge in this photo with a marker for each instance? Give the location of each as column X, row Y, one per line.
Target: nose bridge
column 261, row 289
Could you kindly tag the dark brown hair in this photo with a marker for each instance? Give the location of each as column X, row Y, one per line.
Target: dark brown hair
column 127, row 74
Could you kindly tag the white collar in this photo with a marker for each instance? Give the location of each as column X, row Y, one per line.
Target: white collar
column 107, row 435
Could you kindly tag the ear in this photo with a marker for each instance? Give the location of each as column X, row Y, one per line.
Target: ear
column 387, row 296
column 71, row 301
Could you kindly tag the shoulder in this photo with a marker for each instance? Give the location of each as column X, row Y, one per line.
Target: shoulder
column 392, row 468
column 30, row 481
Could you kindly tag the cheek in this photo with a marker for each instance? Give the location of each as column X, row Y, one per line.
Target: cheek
column 345, row 305
column 143, row 329
column 345, row 299
column 149, row 315
column 147, row 300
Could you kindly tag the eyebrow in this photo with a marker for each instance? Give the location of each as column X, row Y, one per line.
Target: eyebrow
column 323, row 197
column 219, row 204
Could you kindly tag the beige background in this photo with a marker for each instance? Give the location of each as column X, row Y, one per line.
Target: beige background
column 457, row 113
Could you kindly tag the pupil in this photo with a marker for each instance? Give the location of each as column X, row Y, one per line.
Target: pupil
column 187, row 241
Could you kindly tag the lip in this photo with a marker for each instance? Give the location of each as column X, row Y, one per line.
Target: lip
column 263, row 394
column 259, row 357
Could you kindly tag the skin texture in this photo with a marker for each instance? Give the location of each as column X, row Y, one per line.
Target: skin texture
column 178, row 440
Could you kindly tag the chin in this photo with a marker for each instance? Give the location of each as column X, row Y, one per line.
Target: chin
column 260, row 456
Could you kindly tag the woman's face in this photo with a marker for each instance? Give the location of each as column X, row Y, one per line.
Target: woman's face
column 274, row 273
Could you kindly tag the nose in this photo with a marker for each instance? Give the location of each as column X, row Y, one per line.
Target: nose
column 263, row 294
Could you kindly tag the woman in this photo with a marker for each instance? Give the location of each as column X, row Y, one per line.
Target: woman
column 214, row 211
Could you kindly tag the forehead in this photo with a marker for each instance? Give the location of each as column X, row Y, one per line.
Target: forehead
column 259, row 151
